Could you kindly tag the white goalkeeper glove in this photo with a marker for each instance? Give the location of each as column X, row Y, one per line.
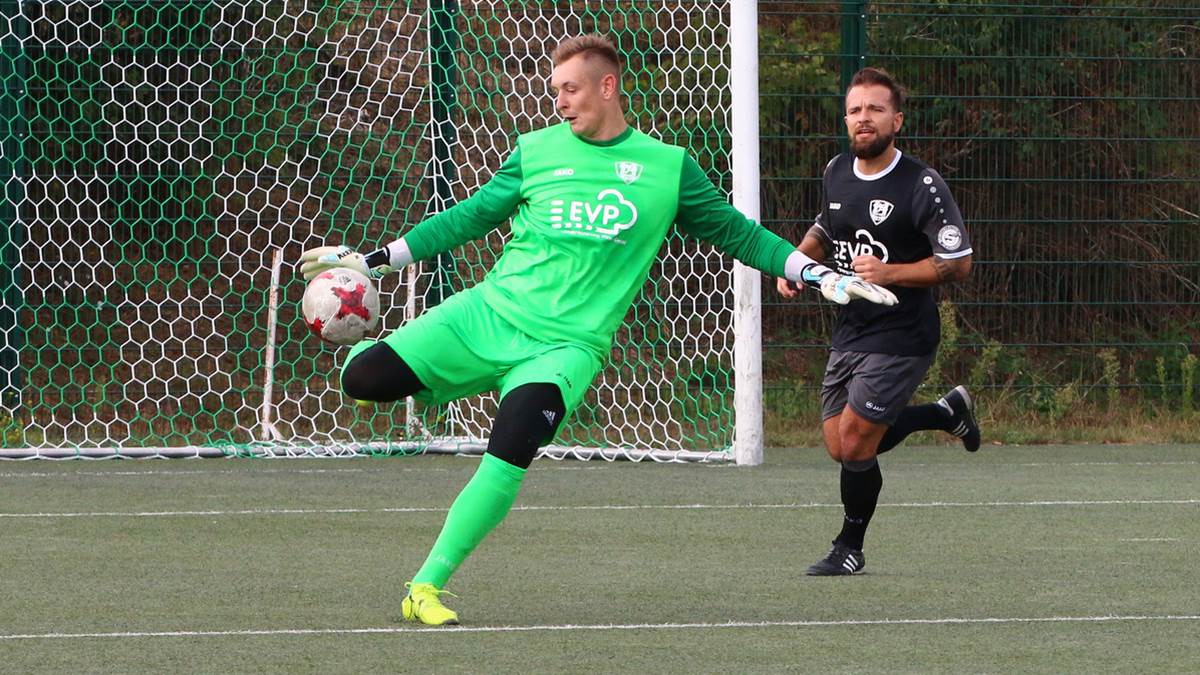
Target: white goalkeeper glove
column 841, row 288
column 317, row 260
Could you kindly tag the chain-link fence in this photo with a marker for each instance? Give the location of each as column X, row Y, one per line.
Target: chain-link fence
column 1070, row 135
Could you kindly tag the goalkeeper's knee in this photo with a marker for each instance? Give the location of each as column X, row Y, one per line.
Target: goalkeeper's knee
column 374, row 372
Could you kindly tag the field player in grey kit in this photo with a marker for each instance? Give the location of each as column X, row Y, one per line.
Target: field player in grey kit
column 889, row 219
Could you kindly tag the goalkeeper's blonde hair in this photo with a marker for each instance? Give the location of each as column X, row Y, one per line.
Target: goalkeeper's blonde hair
column 593, row 47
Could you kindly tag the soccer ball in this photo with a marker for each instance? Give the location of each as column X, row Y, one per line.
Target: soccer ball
column 340, row 306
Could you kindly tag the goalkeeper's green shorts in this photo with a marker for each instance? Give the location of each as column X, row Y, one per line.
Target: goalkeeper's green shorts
column 462, row 347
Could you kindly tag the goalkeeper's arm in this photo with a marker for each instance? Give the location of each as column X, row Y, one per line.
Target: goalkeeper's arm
column 373, row 265
column 839, row 288
column 804, row 266
column 470, row 219
column 704, row 214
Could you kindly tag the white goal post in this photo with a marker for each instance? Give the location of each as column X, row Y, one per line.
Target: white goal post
column 165, row 163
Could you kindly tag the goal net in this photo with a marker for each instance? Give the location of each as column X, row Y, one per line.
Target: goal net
column 165, row 163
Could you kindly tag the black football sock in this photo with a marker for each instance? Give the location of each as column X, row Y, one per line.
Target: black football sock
column 914, row 418
column 861, row 483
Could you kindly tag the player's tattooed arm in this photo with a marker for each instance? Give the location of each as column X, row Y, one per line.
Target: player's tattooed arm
column 949, row 271
column 816, row 243
column 931, row 271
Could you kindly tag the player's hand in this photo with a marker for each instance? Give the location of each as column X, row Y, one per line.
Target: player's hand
column 871, row 269
column 787, row 289
column 842, row 289
column 317, row 260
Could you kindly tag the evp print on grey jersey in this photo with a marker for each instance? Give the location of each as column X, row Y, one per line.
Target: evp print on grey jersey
column 844, row 252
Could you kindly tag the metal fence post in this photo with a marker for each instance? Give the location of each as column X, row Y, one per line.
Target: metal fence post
column 13, row 132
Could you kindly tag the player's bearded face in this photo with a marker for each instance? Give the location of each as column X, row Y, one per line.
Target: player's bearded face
column 870, row 146
column 871, row 121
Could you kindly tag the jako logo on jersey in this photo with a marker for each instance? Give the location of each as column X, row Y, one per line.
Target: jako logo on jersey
column 564, row 172
column 629, row 171
column 880, row 210
column 864, row 244
column 608, row 215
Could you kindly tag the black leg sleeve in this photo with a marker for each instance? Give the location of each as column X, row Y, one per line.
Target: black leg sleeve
column 528, row 419
column 379, row 374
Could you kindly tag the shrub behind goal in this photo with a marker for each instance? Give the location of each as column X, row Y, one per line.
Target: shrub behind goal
column 171, row 160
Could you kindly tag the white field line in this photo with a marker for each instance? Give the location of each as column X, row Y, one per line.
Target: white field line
column 923, row 465
column 182, row 472
column 600, row 627
column 598, row 507
column 256, row 472
column 556, row 466
column 1183, row 462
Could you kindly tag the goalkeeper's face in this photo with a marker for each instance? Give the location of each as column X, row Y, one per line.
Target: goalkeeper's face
column 587, row 96
column 871, row 120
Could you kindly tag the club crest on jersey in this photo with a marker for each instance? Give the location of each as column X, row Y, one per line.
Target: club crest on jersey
column 880, row 210
column 629, row 171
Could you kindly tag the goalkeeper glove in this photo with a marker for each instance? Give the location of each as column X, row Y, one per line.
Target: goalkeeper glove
column 841, row 288
column 322, row 258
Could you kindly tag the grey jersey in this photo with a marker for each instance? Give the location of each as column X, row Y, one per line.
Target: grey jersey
column 901, row 215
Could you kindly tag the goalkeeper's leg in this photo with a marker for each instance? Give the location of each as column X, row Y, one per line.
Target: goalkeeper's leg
column 375, row 372
column 522, row 426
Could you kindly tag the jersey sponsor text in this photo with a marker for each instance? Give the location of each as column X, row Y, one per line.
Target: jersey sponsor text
column 607, row 216
column 864, row 244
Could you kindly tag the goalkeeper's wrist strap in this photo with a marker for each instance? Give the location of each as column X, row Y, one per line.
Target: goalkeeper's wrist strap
column 800, row 268
column 812, row 274
column 376, row 258
column 396, row 255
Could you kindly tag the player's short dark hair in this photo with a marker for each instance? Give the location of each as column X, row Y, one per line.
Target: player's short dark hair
column 593, row 46
column 878, row 76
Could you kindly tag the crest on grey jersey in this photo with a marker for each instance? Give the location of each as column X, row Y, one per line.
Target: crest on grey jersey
column 880, row 210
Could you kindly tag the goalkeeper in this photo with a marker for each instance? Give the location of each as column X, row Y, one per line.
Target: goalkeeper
column 591, row 201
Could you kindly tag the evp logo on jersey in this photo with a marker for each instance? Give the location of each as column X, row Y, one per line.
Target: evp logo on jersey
column 603, row 218
column 880, row 210
column 845, row 252
column 629, row 172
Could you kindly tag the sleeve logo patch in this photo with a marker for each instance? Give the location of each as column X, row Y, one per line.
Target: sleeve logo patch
column 949, row 238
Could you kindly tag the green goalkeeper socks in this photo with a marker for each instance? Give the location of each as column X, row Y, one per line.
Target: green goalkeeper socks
column 479, row 508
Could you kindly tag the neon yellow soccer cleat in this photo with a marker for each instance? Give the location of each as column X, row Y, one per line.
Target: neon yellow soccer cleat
column 422, row 605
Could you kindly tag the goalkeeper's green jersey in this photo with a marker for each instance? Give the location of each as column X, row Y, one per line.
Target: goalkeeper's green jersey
column 588, row 219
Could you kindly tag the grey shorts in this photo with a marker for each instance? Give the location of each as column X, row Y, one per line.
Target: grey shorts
column 876, row 386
